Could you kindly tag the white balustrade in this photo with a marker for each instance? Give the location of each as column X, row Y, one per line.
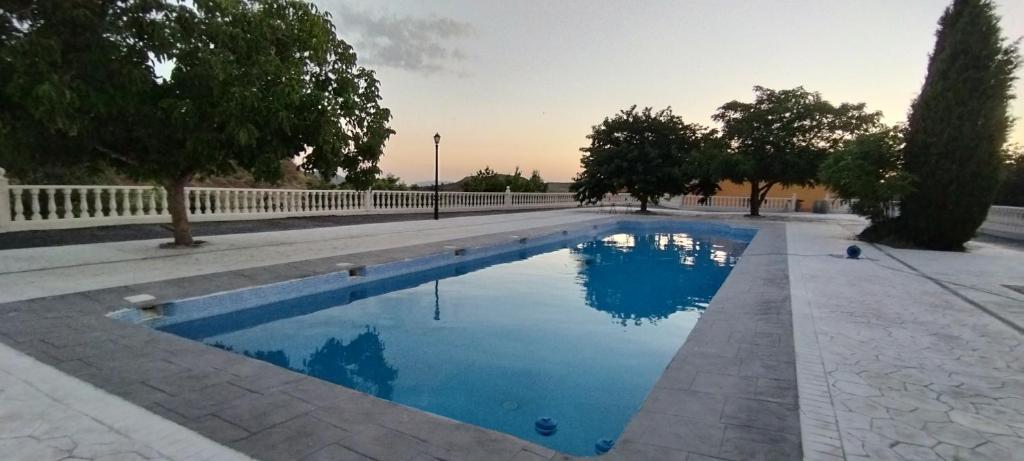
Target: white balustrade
column 1004, row 221
column 727, row 203
column 29, row 207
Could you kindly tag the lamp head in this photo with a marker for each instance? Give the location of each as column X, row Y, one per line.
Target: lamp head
column 437, row 138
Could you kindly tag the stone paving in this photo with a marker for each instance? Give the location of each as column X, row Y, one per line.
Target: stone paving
column 700, row 408
column 900, row 359
column 35, row 272
column 908, row 370
column 38, row 424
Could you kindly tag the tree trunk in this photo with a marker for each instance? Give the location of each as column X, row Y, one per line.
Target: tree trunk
column 755, row 198
column 178, row 207
column 643, row 204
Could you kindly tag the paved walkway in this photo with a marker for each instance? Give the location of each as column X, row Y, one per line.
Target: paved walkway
column 47, row 415
column 918, row 357
column 35, row 272
column 893, row 362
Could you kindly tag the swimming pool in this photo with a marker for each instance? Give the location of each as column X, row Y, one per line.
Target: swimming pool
column 576, row 326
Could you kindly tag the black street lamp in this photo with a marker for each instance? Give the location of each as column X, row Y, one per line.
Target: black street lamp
column 437, row 195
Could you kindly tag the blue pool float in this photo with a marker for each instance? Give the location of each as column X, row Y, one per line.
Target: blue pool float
column 546, row 425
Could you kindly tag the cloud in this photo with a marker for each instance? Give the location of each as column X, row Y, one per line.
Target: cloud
column 425, row 45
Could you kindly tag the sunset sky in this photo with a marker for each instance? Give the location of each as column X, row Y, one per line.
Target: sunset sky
column 520, row 83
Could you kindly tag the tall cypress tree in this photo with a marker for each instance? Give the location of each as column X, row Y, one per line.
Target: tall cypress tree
column 957, row 128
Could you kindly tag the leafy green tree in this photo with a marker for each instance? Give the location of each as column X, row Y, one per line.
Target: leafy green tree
column 868, row 171
column 783, row 136
column 488, row 180
column 250, row 82
column 386, row 182
column 957, row 128
column 644, row 152
column 1011, row 184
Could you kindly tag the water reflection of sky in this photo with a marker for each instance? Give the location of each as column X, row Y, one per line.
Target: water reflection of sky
column 579, row 333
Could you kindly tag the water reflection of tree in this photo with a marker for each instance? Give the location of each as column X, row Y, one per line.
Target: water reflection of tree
column 359, row 365
column 650, row 277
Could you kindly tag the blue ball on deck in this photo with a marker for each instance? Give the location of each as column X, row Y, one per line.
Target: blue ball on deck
column 853, row 252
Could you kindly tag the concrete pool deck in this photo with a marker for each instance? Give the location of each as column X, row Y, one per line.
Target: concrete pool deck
column 219, row 395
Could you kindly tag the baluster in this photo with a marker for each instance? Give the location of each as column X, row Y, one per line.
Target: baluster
column 51, row 205
column 97, row 203
column 150, row 203
column 111, row 202
column 66, row 203
column 19, row 207
column 194, row 193
column 218, row 202
column 34, row 204
column 138, row 202
column 83, row 203
column 164, row 205
column 126, row 209
column 204, row 197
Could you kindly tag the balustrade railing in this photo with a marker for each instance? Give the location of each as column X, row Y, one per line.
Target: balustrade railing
column 1005, row 222
column 726, row 203
column 32, row 207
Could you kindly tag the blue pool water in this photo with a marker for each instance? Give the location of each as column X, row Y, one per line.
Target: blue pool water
column 576, row 330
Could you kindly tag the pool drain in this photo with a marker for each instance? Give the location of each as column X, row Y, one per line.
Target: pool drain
column 545, row 425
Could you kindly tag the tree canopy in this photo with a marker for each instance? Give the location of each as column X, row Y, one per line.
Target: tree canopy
column 868, row 171
column 646, row 153
column 782, row 137
column 164, row 90
column 488, row 180
column 957, row 128
column 1011, row 183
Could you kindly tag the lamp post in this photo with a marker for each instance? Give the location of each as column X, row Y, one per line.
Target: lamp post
column 437, row 195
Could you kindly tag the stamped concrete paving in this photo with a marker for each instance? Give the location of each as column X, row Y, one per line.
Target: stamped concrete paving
column 277, row 414
column 47, row 415
column 891, row 364
column 34, row 272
